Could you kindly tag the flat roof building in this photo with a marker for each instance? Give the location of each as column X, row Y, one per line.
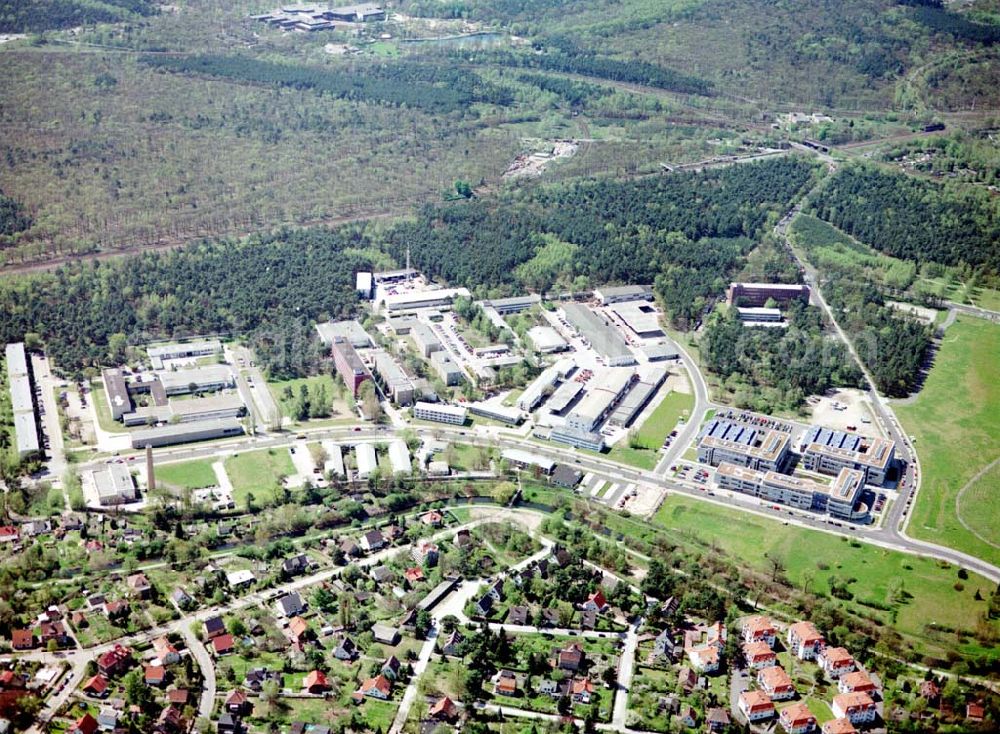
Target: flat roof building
column 221, row 405
column 546, row 340
column 17, row 359
column 396, row 276
column 495, row 411
column 419, row 300
column 426, row 340
column 723, row 440
column 515, row 304
column 525, row 459
column 26, row 435
column 839, row 498
column 447, row 370
column 399, row 458
column 637, row 398
column 116, row 392
column 577, row 438
column 661, row 351
column 367, row 461
column 349, row 365
column 352, row 331
column 759, row 314
column 757, row 294
column 543, row 385
column 397, row 384
column 189, row 350
column 114, row 484
column 401, row 325
column 364, row 285
column 621, row 293
column 564, row 395
column 604, row 393
column 186, row 433
column 196, row 379
column 22, row 397
column 600, row 335
column 827, row 451
column 440, row 413
column 334, row 463
column 641, row 318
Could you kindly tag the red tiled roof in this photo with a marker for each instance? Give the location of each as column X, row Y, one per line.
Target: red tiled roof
column 86, row 724
column 378, row 683
column 756, row 701
column 21, row 639
column 316, row 679
column 839, row 726
column 445, row 707
column 223, row 643
column 98, row 684
column 797, row 714
column 857, row 680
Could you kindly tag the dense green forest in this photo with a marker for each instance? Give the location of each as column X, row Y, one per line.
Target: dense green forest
column 769, row 369
column 13, row 218
column 892, row 344
column 937, row 17
column 912, row 218
column 22, row 16
column 431, row 87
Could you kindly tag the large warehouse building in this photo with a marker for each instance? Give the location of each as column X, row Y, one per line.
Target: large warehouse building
column 22, row 399
column 604, row 393
column 602, row 336
column 170, row 435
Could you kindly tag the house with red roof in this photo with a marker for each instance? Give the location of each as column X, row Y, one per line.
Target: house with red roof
column 581, row 689
column 22, row 639
column 505, row 683
column 797, row 719
column 443, row 710
column 804, row 640
column 237, row 702
column 97, row 686
column 223, row 644
column 432, row 518
column 759, row 655
column 86, row 724
column 595, row 602
column 836, row 661
column 165, row 651
column 570, row 657
column 776, row 683
column 9, row 534
column 413, row 575
column 759, row 629
column 378, row 687
column 115, row 661
column 839, row 726
column 859, row 708
column 316, row 682
column 756, row 705
column 856, row 682
column 154, row 675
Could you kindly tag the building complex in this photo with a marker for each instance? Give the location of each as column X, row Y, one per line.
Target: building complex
column 723, row 440
column 839, row 499
column 828, row 451
column 22, row 397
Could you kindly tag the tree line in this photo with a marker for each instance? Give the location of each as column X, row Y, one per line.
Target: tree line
column 426, row 86
column 912, row 218
column 23, row 16
column 13, row 218
column 934, row 15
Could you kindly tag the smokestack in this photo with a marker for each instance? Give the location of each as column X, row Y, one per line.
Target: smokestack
column 150, row 476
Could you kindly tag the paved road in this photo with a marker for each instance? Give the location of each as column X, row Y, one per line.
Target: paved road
column 983, row 313
column 626, row 667
column 410, row 694
column 204, row 661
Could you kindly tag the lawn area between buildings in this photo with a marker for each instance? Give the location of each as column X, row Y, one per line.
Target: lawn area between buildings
column 187, row 474
column 922, row 593
column 339, row 407
column 955, row 422
column 650, row 435
column 258, row 472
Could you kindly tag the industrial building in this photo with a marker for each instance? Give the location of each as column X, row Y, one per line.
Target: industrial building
column 116, row 391
column 399, row 275
column 526, row 460
column 543, row 385
column 449, row 372
column 223, row 405
column 349, row 365
column 638, row 397
column 605, row 392
column 623, row 293
column 827, row 451
column 641, row 318
column 577, row 438
column 661, row 351
column 516, row 304
column 440, row 413
column 191, row 350
column 546, row 340
column 426, row 340
column 320, row 17
column 352, row 331
column 170, row 435
column 401, row 325
column 399, row 458
column 564, row 396
column 398, row 386
column 419, row 300
column 723, row 440
column 334, row 464
column 197, row 379
column 22, row 397
column 838, row 499
column 600, row 335
column 367, row 462
column 114, row 484
column 497, row 412
column 757, row 294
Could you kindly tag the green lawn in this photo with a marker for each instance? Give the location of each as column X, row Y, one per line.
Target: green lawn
column 954, row 420
column 103, row 411
column 258, row 472
column 650, row 435
column 878, row 573
column 340, row 408
column 187, row 474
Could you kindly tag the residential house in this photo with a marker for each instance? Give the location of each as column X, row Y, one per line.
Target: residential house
column 170, row 720
column 9, row 534
column 349, row 548
column 517, row 615
column 381, row 574
column 704, row 659
column 316, row 682
column 372, row 540
column 669, row 704
column 384, row 634
column 22, row 639
column 49, row 631
column 859, row 708
column 975, row 712
column 797, row 719
column 836, row 661
column 596, row 602
column 759, row 655
column 839, row 726
column 581, row 689
column 116, row 610
column 86, row 724
column 107, row 718
column 444, row 709
column 96, row 686
column 241, row 578
column 425, row 553
column 856, row 682
column 345, row 649
column 178, row 696
column 181, row 598
column 571, row 658
column 759, row 629
column 228, row 724
column 433, row 518
column 670, row 606
column 804, row 640
column 776, row 683
column 255, row 678
column 115, row 661
column 413, row 575
column 756, row 705
column 139, row 586
column 223, row 644
column 378, row 687
column 484, row 605
column 505, row 683
column 238, row 703
column 588, row 620
column 716, row 719
column 463, row 539
column 687, row 678
column 289, row 605
column 688, row 717
column 165, row 651
column 298, row 630
column 295, row 565
column 930, row 691
column 214, row 626
column 154, row 675
column 391, row 668
column 556, row 689
column 663, row 645
column 452, row 644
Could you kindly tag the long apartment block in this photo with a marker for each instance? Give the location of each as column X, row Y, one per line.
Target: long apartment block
column 827, row 451
column 838, row 499
column 729, row 441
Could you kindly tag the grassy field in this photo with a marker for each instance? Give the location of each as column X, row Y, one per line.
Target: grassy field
column 954, row 420
column 340, row 408
column 651, row 433
column 877, row 574
column 258, row 472
column 187, row 474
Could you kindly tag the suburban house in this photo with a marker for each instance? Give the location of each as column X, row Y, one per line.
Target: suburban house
column 452, row 643
column 704, row 659
column 377, row 687
column 413, row 575
column 316, row 682
column 289, row 605
column 836, row 661
column 115, row 661
column 839, row 726
column 116, row 609
column 570, row 658
column 505, row 683
column 345, row 649
column 97, row 686
column 228, row 725
column 425, row 553
column 484, row 605
column 165, row 651
column 154, row 675
column 858, row 708
column 716, row 719
column 432, row 518
column 139, row 586
column 381, row 574
column 581, row 689
column 223, row 644
column 170, row 720
column 372, row 540
column 776, row 683
column 298, row 630
column 797, row 719
column 805, row 640
column 295, row 565
column 663, row 645
column 214, row 626
column 688, row 717
column 756, row 705
column 391, row 667
column 22, row 639
column 517, row 615
column 596, row 602
column 443, row 710
column 759, row 655
column 759, row 629
column 856, row 682
column 257, row 677
column 384, row 634
column 86, row 724
column 237, row 702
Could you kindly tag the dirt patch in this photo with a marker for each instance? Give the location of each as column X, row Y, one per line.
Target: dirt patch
column 846, row 410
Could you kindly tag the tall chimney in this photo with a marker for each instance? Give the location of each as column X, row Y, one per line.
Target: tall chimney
column 150, row 476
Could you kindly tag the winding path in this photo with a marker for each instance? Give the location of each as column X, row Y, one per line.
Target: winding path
column 958, row 501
